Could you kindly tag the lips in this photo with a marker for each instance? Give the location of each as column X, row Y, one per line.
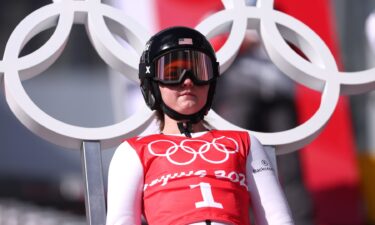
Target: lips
column 187, row 93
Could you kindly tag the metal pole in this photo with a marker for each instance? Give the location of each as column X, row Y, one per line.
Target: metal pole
column 94, row 186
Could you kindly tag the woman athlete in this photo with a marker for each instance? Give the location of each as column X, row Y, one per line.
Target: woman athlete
column 189, row 173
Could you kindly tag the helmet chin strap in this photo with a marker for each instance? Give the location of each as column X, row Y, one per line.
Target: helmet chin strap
column 185, row 124
column 185, row 128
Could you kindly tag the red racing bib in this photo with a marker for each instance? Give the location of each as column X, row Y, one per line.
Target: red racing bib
column 189, row 180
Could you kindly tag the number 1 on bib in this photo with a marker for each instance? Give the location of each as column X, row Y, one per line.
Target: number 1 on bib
column 208, row 198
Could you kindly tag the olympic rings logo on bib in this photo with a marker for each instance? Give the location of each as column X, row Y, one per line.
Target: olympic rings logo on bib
column 190, row 149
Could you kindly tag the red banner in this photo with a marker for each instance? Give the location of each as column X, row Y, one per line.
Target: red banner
column 329, row 162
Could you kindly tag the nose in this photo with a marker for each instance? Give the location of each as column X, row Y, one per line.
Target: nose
column 187, row 82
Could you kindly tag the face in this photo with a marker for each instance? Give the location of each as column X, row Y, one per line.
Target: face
column 185, row 98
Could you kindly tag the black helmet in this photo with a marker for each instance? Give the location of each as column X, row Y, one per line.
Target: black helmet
column 171, row 46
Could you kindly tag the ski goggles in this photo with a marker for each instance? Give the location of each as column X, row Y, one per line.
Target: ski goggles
column 174, row 67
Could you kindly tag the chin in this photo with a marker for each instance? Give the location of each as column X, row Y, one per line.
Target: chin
column 188, row 110
column 189, row 107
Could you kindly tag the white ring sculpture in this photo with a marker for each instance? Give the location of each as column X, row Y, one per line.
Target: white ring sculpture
column 274, row 27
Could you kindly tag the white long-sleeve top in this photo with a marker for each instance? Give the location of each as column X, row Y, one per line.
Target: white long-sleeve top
column 126, row 185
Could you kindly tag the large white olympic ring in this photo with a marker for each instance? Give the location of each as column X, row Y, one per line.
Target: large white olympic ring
column 274, row 27
column 171, row 148
column 62, row 15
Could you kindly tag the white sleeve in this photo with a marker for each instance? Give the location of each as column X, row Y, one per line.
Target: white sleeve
column 268, row 201
column 125, row 187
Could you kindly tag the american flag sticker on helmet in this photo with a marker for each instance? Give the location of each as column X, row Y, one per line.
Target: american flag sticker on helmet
column 185, row 41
